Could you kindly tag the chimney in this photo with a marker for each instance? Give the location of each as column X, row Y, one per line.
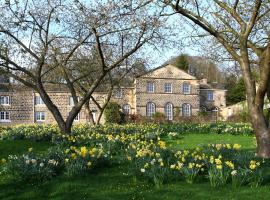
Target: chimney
column 203, row 81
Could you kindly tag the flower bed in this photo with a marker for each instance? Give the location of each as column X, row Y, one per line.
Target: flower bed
column 85, row 132
column 209, row 128
column 139, row 145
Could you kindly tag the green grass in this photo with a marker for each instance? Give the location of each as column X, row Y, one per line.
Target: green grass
column 189, row 141
column 20, row 146
column 111, row 183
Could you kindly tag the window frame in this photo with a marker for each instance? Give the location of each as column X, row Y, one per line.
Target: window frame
column 6, row 100
column 152, row 84
column 168, row 107
column 40, row 102
column 208, row 95
column 124, row 110
column 184, row 88
column 168, row 86
column 150, row 111
column 38, row 116
column 118, row 93
column 71, row 102
column 77, row 118
column 5, row 114
column 184, row 110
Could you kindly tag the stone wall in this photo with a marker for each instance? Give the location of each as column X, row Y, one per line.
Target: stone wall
column 219, row 99
column 127, row 98
column 159, row 97
column 21, row 106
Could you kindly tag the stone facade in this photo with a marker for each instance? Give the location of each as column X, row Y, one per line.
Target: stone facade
column 176, row 97
column 166, row 90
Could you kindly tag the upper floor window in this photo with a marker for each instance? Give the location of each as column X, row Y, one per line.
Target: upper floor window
column 4, row 116
column 4, row 100
column 38, row 100
column 168, row 88
column 119, row 93
column 169, row 111
column 150, row 87
column 210, row 96
column 186, row 110
column 150, row 109
column 71, row 100
column 126, row 109
column 186, row 88
column 4, row 79
column 40, row 116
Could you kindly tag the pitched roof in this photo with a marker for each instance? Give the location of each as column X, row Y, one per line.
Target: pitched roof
column 164, row 66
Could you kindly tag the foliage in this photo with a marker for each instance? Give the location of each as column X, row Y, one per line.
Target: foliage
column 84, row 132
column 32, row 167
column 112, row 113
column 236, row 93
column 181, row 62
column 80, row 159
column 208, row 128
column 31, row 132
column 159, row 117
column 148, row 156
column 219, row 162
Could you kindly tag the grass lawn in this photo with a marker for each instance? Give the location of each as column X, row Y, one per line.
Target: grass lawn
column 113, row 182
column 190, row 141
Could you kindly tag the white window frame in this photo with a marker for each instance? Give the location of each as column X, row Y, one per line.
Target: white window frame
column 39, row 116
column 5, row 116
column 150, row 109
column 126, row 109
column 38, row 101
column 186, row 88
column 210, row 95
column 71, row 102
column 150, row 87
column 186, row 110
column 168, row 88
column 119, row 93
column 5, row 100
column 77, row 118
column 169, row 111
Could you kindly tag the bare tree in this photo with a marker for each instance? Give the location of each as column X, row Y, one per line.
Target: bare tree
column 40, row 38
column 242, row 28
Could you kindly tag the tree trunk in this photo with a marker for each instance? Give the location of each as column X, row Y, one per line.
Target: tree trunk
column 261, row 131
column 65, row 128
column 100, row 115
column 263, row 143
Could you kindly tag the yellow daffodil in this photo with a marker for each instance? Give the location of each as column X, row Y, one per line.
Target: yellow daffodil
column 236, row 146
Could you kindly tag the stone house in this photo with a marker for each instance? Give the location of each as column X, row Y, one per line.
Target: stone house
column 166, row 89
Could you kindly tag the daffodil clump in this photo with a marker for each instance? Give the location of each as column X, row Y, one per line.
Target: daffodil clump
column 220, row 163
column 32, row 167
column 30, row 132
column 84, row 132
column 143, row 148
column 208, row 128
column 80, row 159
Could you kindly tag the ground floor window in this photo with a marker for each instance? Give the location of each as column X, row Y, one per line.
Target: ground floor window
column 186, row 110
column 40, row 116
column 126, row 109
column 150, row 109
column 169, row 111
column 4, row 116
column 77, row 118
